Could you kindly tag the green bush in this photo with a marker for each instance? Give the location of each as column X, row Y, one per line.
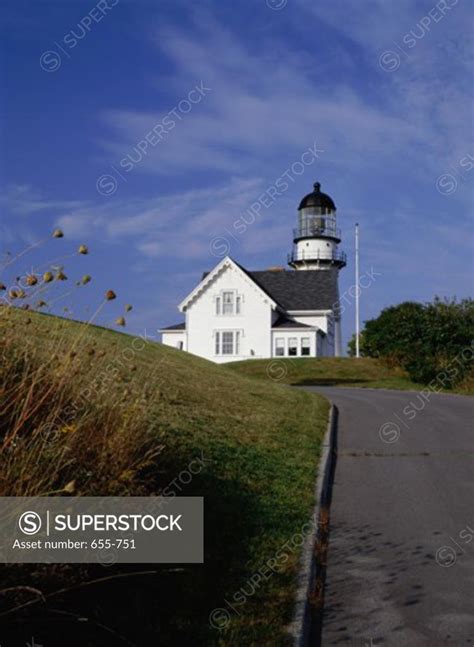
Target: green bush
column 351, row 345
column 432, row 341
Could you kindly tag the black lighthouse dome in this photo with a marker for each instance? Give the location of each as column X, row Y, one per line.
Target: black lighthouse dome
column 316, row 236
column 317, row 199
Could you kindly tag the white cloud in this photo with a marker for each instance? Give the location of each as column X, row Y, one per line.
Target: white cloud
column 24, row 200
column 266, row 104
column 269, row 102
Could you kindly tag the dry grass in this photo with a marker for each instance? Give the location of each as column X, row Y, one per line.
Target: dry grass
column 59, row 434
column 90, row 411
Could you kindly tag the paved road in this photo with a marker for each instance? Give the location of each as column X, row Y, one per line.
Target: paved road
column 401, row 554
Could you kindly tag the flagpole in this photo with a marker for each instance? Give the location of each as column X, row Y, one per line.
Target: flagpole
column 357, row 292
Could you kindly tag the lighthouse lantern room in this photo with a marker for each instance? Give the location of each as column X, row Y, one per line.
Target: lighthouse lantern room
column 316, row 237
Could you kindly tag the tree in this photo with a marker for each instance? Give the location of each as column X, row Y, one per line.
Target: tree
column 430, row 341
column 351, row 346
column 395, row 334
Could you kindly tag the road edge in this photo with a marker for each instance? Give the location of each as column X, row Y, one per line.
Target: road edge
column 309, row 595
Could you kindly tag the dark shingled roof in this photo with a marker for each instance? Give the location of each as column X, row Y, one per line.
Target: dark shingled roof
column 299, row 290
column 180, row 326
column 284, row 322
column 296, row 289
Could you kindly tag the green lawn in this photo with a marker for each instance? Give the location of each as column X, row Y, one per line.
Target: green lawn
column 364, row 372
column 342, row 371
column 258, row 443
column 331, row 371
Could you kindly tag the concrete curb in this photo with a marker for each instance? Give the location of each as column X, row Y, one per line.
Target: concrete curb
column 311, row 571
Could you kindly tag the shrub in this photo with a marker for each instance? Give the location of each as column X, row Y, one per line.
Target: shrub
column 430, row 341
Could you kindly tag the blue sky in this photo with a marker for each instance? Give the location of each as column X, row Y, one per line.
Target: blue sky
column 147, row 129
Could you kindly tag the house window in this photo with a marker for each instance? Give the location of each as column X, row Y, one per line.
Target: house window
column 292, row 346
column 305, row 346
column 228, row 303
column 279, row 347
column 228, row 342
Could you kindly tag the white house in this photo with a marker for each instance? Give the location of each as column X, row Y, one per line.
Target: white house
column 236, row 314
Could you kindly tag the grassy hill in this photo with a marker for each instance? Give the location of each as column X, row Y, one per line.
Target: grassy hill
column 330, row 371
column 89, row 411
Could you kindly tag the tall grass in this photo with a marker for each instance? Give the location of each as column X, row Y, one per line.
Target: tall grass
column 121, row 415
column 57, row 433
column 88, row 411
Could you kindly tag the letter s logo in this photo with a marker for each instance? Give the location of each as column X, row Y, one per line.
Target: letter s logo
column 30, row 523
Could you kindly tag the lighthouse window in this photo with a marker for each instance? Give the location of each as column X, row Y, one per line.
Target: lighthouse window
column 292, row 346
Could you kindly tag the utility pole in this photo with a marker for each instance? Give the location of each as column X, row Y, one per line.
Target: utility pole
column 357, row 292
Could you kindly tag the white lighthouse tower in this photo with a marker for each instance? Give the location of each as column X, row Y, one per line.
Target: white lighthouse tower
column 315, row 244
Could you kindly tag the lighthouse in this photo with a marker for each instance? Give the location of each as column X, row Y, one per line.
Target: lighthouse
column 315, row 244
column 234, row 313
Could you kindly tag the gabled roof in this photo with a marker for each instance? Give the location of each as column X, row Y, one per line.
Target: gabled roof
column 295, row 290
column 208, row 277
